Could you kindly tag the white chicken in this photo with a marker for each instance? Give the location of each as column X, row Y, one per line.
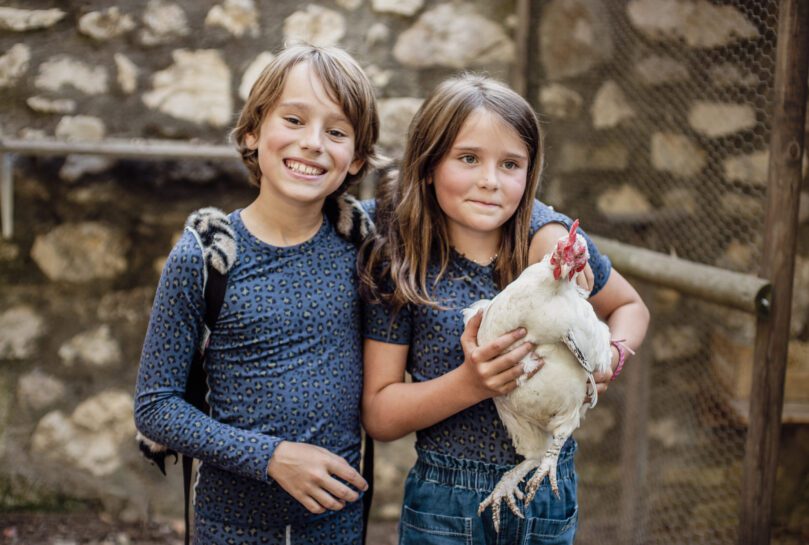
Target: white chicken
column 543, row 411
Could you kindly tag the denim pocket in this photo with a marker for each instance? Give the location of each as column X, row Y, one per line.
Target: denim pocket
column 539, row 531
column 431, row 529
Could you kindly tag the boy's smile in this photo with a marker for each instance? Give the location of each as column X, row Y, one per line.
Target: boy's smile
column 305, row 143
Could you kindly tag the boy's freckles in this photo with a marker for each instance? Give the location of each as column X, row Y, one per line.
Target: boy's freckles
column 305, row 143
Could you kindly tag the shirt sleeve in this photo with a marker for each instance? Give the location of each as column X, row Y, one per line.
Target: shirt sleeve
column 382, row 325
column 175, row 330
column 543, row 214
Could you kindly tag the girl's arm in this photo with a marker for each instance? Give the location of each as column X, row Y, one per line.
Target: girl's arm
column 392, row 408
column 620, row 305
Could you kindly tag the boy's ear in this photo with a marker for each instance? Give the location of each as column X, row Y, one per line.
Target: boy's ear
column 250, row 140
column 355, row 166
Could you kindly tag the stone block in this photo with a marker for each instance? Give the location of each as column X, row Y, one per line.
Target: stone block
column 455, row 36
column 81, row 252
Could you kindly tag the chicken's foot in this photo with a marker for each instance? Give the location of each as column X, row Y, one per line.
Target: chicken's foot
column 547, row 467
column 508, row 489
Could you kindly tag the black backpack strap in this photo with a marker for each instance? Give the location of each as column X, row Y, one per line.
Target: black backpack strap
column 218, row 240
column 197, row 387
column 368, row 475
column 354, row 224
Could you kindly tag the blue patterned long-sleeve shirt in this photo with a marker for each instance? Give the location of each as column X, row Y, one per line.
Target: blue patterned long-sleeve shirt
column 283, row 363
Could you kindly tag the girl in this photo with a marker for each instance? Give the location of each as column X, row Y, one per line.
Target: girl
column 281, row 446
column 458, row 225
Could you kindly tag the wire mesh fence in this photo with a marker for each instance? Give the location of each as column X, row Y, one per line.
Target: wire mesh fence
column 668, row 151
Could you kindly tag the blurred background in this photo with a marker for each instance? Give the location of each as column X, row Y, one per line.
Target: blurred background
column 657, row 116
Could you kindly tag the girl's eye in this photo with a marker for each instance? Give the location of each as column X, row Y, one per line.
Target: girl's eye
column 510, row 165
column 336, row 133
column 293, row 120
column 468, row 159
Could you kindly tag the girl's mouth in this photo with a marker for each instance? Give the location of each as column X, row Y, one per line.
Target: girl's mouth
column 485, row 204
column 302, row 168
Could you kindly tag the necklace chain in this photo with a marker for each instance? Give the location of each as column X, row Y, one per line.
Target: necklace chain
column 486, row 264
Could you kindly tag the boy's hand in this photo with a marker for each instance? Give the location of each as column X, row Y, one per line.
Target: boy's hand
column 489, row 369
column 308, row 473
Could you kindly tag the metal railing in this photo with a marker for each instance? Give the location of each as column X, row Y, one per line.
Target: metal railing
column 122, row 149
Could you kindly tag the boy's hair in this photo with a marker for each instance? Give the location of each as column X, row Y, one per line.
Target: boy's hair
column 411, row 227
column 344, row 81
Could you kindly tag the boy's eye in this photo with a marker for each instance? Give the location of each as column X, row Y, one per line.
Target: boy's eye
column 292, row 119
column 337, row 133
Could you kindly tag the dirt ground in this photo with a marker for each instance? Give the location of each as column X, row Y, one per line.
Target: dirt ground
column 90, row 529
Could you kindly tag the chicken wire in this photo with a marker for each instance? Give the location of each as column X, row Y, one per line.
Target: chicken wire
column 685, row 485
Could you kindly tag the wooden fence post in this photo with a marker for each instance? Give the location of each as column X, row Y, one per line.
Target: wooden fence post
column 778, row 264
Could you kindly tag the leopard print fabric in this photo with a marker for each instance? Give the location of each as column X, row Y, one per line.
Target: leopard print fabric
column 283, row 363
column 435, row 349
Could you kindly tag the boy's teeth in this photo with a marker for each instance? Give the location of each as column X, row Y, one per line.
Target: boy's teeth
column 304, row 169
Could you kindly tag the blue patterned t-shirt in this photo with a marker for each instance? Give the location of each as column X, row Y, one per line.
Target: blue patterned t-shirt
column 434, row 336
column 284, row 363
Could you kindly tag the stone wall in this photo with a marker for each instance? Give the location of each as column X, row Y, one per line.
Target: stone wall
column 656, row 118
column 91, row 233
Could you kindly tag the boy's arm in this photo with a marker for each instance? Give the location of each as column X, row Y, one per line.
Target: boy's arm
column 161, row 414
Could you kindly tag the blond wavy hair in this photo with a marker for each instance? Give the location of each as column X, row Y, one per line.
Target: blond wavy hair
column 346, row 84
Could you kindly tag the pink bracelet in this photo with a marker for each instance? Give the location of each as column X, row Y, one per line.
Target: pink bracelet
column 622, row 350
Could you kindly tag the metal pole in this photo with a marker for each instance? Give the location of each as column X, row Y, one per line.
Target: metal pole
column 740, row 291
column 132, row 149
column 635, row 440
column 519, row 81
column 7, row 194
column 778, row 264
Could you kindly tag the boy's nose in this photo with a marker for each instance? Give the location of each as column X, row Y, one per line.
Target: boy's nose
column 312, row 140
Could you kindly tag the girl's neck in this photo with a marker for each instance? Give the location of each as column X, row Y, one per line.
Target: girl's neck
column 282, row 223
column 480, row 247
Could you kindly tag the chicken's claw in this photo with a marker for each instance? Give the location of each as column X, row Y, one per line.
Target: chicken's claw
column 507, row 489
column 547, row 467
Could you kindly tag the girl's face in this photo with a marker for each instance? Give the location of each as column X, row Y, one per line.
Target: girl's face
column 305, row 143
column 479, row 183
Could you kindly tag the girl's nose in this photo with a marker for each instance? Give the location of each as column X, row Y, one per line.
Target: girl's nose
column 489, row 179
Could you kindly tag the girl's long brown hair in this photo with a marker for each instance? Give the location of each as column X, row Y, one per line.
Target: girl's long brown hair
column 411, row 227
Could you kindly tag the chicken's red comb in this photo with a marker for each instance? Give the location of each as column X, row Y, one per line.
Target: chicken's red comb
column 573, row 229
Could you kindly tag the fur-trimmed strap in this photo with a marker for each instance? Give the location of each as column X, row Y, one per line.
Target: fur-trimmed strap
column 348, row 217
column 217, row 237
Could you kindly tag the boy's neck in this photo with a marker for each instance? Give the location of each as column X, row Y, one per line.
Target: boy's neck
column 282, row 224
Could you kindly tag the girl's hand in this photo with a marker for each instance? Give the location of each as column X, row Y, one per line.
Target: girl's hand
column 308, row 473
column 603, row 379
column 489, row 370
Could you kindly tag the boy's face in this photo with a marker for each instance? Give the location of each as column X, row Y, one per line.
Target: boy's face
column 305, row 143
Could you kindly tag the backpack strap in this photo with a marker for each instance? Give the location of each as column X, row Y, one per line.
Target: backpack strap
column 218, row 242
column 349, row 218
